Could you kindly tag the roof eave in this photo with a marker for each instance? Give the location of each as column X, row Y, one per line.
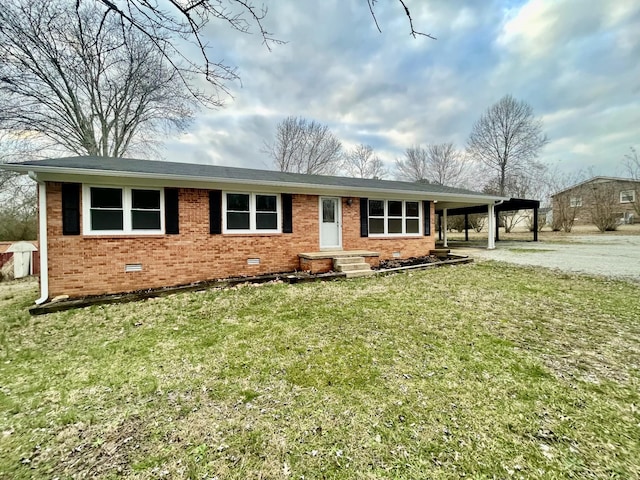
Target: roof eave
column 22, row 168
column 592, row 179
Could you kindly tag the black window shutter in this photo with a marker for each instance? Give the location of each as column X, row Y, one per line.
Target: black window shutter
column 71, row 209
column 426, row 207
column 215, row 212
column 287, row 213
column 364, row 217
column 171, row 211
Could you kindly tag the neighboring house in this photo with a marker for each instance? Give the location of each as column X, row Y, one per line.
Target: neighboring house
column 619, row 196
column 111, row 225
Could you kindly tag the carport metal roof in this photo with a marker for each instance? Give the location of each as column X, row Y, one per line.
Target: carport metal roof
column 510, row 205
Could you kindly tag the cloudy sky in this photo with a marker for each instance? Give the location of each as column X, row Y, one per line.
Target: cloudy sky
column 576, row 62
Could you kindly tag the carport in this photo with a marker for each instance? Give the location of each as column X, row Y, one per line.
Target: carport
column 493, row 213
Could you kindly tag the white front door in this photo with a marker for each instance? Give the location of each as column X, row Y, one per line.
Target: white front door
column 330, row 224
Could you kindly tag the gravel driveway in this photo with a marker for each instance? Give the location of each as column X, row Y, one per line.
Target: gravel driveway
column 616, row 256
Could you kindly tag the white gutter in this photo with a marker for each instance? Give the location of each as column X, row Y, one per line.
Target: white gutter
column 42, row 240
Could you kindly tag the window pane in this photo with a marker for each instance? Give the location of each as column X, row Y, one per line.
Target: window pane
column 106, row 220
column 627, row 196
column 106, row 197
column 395, row 225
column 413, row 225
column 395, row 209
column 412, row 209
column 328, row 211
column 376, row 208
column 237, row 221
column 265, row 203
column 238, row 202
column 146, row 199
column 266, row 221
column 376, row 225
column 145, row 220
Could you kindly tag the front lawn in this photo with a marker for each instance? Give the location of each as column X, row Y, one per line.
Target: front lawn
column 484, row 371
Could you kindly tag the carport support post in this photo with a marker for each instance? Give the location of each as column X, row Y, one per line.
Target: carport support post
column 535, row 224
column 444, row 227
column 491, row 218
column 466, row 227
column 497, row 225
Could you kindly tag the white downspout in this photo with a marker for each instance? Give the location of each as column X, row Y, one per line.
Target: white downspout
column 444, row 228
column 42, row 241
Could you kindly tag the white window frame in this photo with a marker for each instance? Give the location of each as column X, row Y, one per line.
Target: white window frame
column 404, row 217
column 127, row 228
column 575, row 202
column 252, row 214
column 627, row 192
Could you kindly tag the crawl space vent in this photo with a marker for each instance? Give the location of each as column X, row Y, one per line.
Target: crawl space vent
column 133, row 267
column 253, row 261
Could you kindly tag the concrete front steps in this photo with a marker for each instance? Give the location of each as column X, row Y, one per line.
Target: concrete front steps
column 352, row 266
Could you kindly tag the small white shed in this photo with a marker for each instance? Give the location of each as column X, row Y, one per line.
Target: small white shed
column 22, row 258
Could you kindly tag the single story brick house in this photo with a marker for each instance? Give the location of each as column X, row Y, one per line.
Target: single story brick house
column 111, row 225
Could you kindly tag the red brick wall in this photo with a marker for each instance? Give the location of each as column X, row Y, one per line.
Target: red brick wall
column 407, row 246
column 89, row 265
column 4, row 258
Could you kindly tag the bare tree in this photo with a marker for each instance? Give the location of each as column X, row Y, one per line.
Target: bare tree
column 414, row 167
column 506, row 139
column 13, row 149
column 17, row 195
column 477, row 221
column 532, row 185
column 81, row 80
column 632, row 164
column 303, row 146
column 362, row 162
column 604, row 206
column 564, row 213
column 565, row 204
column 18, row 216
column 446, row 164
column 441, row 163
column 175, row 28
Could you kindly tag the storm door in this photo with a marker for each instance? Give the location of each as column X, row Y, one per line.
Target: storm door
column 330, row 225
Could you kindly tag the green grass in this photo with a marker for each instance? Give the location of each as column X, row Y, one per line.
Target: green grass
column 483, row 370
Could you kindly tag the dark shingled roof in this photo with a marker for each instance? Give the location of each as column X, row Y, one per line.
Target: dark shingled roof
column 193, row 171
